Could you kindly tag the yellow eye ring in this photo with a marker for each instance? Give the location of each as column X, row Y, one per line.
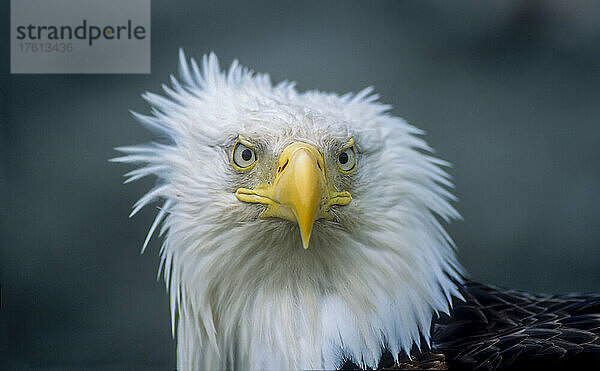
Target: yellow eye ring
column 243, row 156
column 347, row 159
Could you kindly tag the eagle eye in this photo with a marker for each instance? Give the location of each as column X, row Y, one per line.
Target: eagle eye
column 242, row 156
column 346, row 161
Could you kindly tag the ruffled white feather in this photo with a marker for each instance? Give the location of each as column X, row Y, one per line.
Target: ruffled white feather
column 244, row 294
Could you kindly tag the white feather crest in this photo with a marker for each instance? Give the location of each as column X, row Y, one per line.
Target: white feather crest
column 244, row 294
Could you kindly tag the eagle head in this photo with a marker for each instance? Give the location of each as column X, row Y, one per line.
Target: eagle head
column 301, row 229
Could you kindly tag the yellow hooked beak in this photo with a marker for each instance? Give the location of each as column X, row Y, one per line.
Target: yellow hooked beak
column 300, row 192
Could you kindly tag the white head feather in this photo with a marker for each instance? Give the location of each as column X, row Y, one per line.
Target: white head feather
column 245, row 292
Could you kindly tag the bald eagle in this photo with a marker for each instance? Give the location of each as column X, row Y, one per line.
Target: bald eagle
column 304, row 230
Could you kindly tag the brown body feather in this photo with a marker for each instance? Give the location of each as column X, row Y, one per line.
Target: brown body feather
column 496, row 329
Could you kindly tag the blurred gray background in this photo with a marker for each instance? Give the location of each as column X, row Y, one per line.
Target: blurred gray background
column 509, row 92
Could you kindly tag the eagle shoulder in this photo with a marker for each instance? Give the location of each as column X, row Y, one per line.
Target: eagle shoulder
column 498, row 329
column 509, row 329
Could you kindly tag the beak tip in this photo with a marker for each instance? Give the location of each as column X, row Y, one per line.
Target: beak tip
column 305, row 236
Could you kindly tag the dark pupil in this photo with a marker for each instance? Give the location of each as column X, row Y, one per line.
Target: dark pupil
column 246, row 154
column 343, row 158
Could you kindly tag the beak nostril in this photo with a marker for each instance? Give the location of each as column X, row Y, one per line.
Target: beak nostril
column 283, row 166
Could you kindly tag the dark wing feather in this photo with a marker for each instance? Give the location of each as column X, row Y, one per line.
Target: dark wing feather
column 497, row 329
column 508, row 329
